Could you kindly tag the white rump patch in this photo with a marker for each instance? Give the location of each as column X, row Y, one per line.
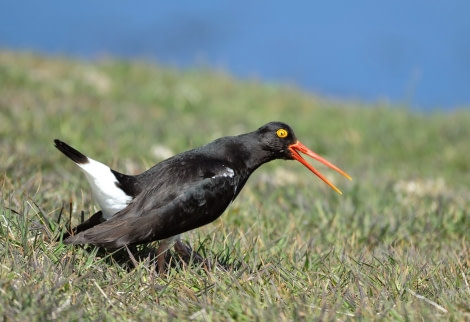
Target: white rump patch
column 103, row 187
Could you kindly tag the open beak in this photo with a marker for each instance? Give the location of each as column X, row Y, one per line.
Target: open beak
column 299, row 147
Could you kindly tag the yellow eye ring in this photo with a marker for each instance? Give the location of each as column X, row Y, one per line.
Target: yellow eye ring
column 282, row 133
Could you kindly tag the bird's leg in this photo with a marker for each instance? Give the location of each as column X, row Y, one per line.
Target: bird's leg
column 186, row 253
column 165, row 245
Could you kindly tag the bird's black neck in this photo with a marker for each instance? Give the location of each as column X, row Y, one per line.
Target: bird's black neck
column 243, row 151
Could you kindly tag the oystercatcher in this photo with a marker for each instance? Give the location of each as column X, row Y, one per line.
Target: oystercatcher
column 181, row 193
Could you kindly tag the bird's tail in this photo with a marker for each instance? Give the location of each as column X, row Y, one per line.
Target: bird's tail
column 70, row 152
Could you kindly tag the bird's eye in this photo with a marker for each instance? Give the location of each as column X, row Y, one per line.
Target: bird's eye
column 282, row 133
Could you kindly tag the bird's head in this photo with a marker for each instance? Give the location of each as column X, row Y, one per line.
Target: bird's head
column 280, row 140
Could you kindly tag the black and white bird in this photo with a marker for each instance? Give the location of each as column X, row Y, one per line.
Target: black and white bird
column 181, row 193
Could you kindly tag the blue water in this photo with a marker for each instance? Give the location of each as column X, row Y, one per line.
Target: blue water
column 415, row 53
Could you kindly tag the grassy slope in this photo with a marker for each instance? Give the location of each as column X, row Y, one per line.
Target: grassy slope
column 395, row 245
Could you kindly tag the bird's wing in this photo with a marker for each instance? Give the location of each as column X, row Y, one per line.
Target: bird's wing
column 146, row 219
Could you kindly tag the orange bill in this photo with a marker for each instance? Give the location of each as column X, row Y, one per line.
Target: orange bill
column 299, row 147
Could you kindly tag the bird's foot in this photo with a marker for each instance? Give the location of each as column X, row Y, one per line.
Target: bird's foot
column 187, row 254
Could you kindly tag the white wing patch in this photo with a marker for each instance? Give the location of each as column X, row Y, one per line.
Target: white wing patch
column 227, row 173
column 103, row 187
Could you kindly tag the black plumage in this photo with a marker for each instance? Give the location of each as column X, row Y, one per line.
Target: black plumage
column 184, row 192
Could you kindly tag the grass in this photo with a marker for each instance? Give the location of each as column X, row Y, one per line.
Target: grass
column 394, row 246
